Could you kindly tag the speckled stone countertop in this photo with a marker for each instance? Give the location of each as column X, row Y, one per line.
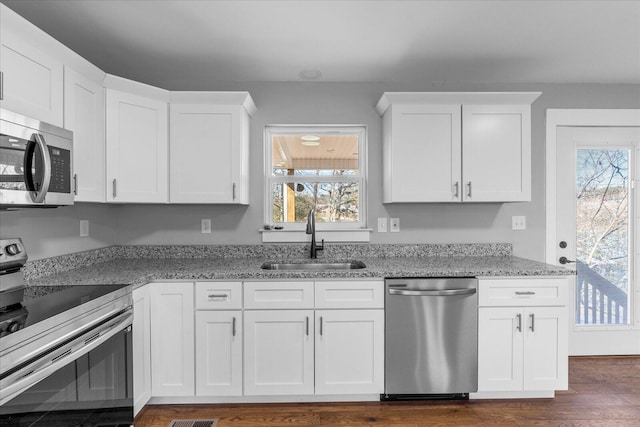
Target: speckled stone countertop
column 137, row 267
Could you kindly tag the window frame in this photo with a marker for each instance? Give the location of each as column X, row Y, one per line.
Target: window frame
column 270, row 179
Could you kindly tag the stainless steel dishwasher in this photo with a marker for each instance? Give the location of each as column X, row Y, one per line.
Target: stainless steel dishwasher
column 431, row 338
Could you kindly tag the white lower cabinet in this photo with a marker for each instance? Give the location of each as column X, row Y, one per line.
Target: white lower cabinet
column 141, row 347
column 172, row 339
column 349, row 351
column 522, row 346
column 219, row 353
column 278, row 355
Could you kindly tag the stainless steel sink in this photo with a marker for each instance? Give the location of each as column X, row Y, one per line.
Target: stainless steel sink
column 314, row 266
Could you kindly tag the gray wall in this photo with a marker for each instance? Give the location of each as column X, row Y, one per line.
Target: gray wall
column 326, row 103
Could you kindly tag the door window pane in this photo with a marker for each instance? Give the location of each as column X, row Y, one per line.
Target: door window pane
column 603, row 236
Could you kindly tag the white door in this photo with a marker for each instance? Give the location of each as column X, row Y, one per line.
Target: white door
column 172, row 339
column 218, row 353
column 349, row 351
column 545, row 348
column 278, row 352
column 596, row 225
column 500, row 348
column 206, row 153
column 84, row 116
column 137, row 148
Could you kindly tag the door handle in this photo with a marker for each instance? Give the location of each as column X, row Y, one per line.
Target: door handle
column 233, row 327
column 564, row 260
column 519, row 325
column 457, row 189
column 306, row 323
column 469, row 186
column 320, row 325
column 438, row 293
column 37, row 194
column 233, row 191
column 533, row 322
column 75, row 184
column 113, row 183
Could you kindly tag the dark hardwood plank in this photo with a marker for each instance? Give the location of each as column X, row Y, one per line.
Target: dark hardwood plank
column 603, row 392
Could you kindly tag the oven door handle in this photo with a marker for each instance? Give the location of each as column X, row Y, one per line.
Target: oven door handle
column 434, row 293
column 47, row 364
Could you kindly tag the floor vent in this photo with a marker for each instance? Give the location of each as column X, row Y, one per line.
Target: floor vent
column 194, row 423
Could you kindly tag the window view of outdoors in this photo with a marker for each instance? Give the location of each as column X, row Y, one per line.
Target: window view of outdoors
column 315, row 171
column 603, row 236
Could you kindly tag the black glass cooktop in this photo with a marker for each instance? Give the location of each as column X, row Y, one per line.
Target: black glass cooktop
column 43, row 302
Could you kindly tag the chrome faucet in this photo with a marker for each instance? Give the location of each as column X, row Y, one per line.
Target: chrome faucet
column 311, row 229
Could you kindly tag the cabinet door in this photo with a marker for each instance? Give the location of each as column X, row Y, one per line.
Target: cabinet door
column 219, row 353
column 496, row 153
column 84, row 116
column 137, row 165
column 349, row 351
column 422, row 153
column 546, row 349
column 172, row 339
column 31, row 80
column 207, row 151
column 500, row 352
column 141, row 348
column 278, row 352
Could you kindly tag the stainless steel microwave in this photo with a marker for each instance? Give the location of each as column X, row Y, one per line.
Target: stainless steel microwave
column 36, row 163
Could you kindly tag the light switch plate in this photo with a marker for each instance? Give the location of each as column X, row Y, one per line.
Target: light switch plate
column 205, row 226
column 518, row 222
column 395, row 225
column 382, row 225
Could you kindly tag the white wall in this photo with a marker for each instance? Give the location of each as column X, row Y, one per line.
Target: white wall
column 328, row 103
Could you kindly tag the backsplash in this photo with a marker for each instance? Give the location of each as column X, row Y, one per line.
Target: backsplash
column 47, row 266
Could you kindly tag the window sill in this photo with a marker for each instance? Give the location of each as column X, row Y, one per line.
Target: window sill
column 293, row 236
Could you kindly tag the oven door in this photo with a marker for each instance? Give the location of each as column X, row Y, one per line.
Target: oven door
column 35, row 165
column 87, row 382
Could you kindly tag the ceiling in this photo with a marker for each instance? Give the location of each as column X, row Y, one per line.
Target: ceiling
column 196, row 45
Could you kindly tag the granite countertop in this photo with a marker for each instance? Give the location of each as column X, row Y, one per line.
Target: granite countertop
column 138, row 271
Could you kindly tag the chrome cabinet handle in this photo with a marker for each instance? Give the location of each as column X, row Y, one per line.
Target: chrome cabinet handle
column 75, row 184
column 439, row 293
column 307, row 326
column 212, row 296
column 320, row 325
column 533, row 320
column 233, row 327
column 565, row 260
column 457, row 189
column 1, row 85
column 525, row 293
column 113, row 183
column 519, row 326
column 233, row 191
column 469, row 186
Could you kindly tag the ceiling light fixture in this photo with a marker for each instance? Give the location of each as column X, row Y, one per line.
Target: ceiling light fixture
column 310, row 140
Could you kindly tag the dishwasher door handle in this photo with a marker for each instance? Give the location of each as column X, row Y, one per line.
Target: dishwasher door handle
column 435, row 293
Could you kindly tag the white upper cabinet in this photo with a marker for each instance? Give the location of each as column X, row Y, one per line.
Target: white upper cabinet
column 209, row 147
column 456, row 146
column 31, row 80
column 84, row 116
column 137, row 142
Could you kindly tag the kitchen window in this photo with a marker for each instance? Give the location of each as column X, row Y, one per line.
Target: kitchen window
column 315, row 167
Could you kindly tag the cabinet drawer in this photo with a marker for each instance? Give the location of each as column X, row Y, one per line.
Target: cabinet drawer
column 218, row 295
column 523, row 292
column 350, row 294
column 260, row 295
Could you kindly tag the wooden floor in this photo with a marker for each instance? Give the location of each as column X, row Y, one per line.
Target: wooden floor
column 603, row 391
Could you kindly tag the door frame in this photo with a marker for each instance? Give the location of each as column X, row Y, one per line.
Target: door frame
column 572, row 117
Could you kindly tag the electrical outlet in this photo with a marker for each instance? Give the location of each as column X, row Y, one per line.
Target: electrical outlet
column 518, row 222
column 382, row 225
column 205, row 226
column 395, row 225
column 84, row 227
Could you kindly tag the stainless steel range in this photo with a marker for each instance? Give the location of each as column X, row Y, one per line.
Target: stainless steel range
column 65, row 351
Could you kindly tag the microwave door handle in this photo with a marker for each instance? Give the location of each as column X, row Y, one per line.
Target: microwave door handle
column 37, row 196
